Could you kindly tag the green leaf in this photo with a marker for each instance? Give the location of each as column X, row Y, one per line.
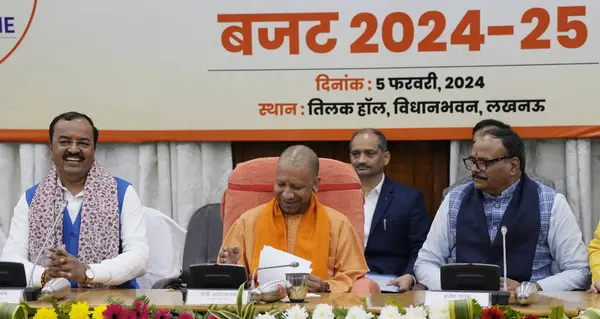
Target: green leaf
column 222, row 314
column 112, row 301
column 510, row 313
column 239, row 300
column 557, row 312
column 249, row 311
column 12, row 311
column 340, row 313
column 274, row 312
column 391, row 301
column 229, row 314
column 476, row 308
column 30, row 311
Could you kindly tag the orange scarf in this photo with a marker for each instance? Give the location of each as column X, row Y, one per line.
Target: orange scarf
column 312, row 239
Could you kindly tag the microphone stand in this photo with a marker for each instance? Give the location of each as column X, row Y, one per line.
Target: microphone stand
column 33, row 293
column 502, row 297
column 293, row 265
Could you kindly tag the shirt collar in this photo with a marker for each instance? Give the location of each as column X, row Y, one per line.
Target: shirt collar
column 377, row 188
column 65, row 190
column 506, row 193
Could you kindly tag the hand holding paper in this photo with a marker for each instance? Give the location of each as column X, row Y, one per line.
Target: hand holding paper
column 270, row 256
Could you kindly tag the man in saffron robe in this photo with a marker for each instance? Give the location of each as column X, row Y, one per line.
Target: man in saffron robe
column 90, row 221
column 295, row 221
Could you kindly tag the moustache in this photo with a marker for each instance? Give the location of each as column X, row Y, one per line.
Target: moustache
column 475, row 176
column 362, row 166
column 77, row 155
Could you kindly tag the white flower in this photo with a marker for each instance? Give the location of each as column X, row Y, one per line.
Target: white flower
column 390, row 312
column 323, row 311
column 264, row 316
column 415, row 313
column 357, row 312
column 442, row 312
column 296, row 312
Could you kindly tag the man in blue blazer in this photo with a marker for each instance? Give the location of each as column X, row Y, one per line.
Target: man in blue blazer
column 396, row 220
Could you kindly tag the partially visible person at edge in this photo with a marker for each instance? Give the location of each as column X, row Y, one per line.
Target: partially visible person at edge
column 99, row 238
column 594, row 259
column 396, row 219
column 480, row 128
column 541, row 228
column 296, row 222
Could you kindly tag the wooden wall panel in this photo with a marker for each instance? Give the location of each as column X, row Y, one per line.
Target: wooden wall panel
column 421, row 164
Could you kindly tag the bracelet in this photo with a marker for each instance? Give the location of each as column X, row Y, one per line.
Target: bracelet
column 42, row 279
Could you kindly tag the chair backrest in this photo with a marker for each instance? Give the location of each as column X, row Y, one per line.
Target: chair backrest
column 165, row 240
column 251, row 184
column 204, row 237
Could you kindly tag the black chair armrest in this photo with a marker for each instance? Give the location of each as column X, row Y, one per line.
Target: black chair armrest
column 168, row 283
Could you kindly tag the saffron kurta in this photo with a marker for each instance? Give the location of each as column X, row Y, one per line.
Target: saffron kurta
column 346, row 261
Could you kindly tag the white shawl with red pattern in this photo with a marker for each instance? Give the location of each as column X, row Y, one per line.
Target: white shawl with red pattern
column 100, row 223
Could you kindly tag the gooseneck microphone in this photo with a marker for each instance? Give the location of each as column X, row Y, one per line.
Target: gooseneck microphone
column 293, row 265
column 504, row 231
column 31, row 293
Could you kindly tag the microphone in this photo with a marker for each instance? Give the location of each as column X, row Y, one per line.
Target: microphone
column 504, row 231
column 293, row 265
column 56, row 288
column 32, row 293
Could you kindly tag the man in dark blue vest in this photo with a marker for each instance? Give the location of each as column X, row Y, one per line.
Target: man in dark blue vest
column 396, row 219
column 541, row 228
column 89, row 221
column 478, row 129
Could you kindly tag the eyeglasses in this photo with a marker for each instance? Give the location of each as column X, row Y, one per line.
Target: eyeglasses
column 482, row 164
column 81, row 143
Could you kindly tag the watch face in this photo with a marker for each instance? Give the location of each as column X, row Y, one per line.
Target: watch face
column 89, row 273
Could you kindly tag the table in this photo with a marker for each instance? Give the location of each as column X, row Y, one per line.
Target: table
column 573, row 302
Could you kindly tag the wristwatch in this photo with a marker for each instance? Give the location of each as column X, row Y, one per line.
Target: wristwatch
column 89, row 275
column 326, row 286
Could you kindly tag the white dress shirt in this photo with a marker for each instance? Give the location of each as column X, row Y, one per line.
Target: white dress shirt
column 369, row 207
column 564, row 240
column 130, row 264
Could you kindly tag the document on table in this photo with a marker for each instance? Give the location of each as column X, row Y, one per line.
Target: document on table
column 382, row 281
column 270, row 256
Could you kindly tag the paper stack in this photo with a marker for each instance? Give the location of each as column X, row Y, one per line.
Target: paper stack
column 270, row 256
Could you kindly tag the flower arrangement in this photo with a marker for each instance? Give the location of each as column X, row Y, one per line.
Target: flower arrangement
column 141, row 308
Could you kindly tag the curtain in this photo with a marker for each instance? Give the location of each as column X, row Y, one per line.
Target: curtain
column 573, row 165
column 174, row 178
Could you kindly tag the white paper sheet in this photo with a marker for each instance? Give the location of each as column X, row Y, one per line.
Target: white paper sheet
column 270, row 256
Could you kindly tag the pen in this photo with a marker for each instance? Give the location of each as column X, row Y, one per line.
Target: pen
column 384, row 225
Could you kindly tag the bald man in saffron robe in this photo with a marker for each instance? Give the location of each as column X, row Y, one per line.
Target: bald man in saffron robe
column 294, row 221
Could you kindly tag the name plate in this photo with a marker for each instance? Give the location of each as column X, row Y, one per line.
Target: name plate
column 200, row 297
column 441, row 298
column 11, row 295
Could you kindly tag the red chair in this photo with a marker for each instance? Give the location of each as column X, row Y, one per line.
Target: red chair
column 251, row 184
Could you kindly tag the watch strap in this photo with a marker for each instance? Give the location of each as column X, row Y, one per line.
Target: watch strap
column 88, row 280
